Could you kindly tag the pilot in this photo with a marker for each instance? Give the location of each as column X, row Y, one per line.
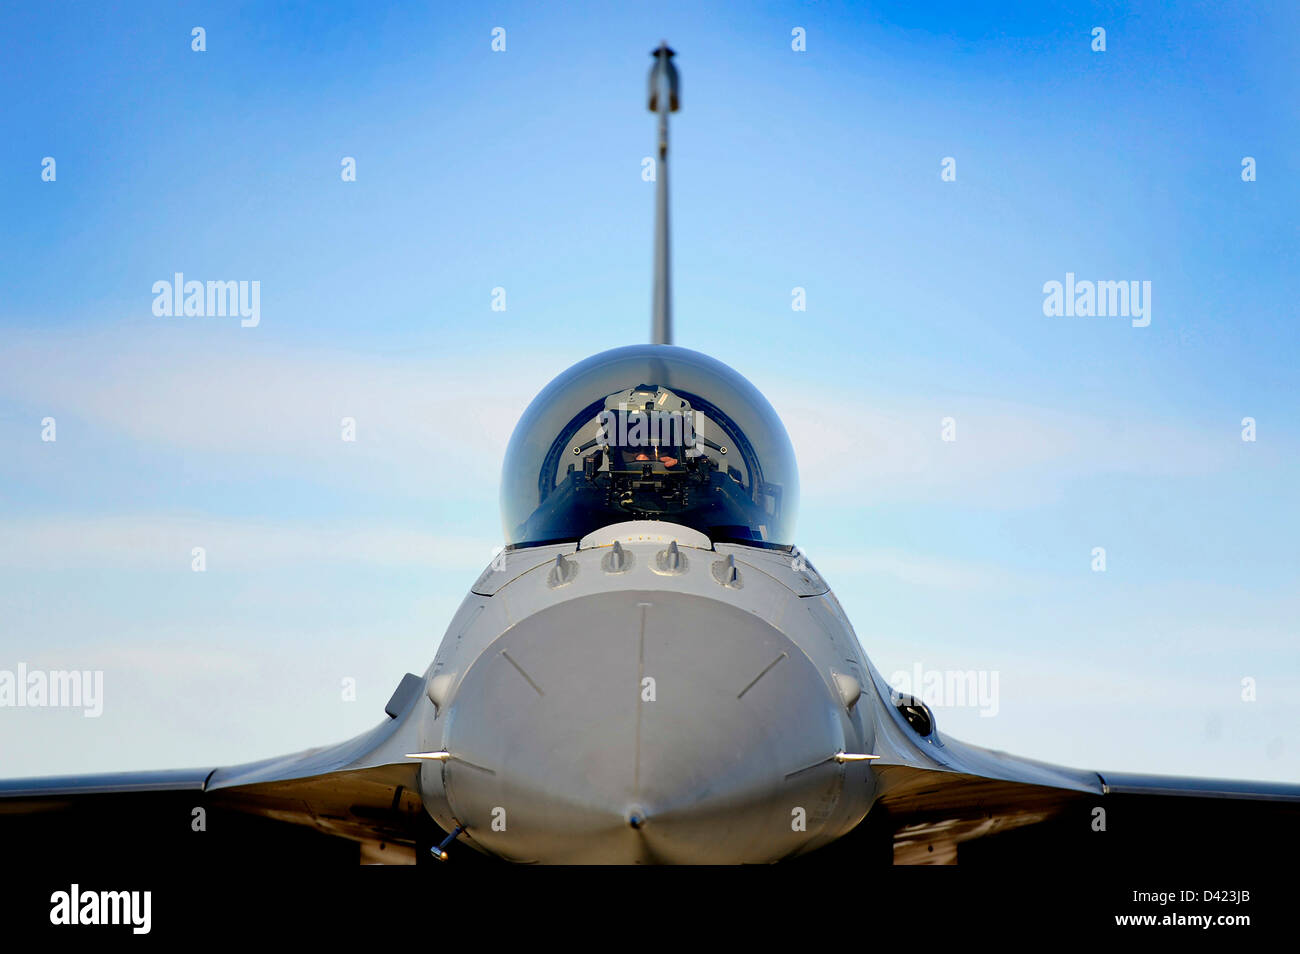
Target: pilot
column 663, row 458
column 648, row 424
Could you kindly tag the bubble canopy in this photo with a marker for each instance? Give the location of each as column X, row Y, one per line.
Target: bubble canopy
column 650, row 432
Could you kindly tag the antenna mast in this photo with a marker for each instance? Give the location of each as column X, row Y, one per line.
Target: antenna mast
column 663, row 100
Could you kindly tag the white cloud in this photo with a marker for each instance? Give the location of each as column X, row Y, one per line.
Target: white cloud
column 878, row 450
column 424, row 419
column 911, row 568
column 165, row 543
column 442, row 420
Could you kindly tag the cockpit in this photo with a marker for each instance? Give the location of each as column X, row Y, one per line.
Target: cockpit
column 650, row 432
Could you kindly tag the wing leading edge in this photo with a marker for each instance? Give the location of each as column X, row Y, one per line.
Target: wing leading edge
column 315, row 804
column 940, row 800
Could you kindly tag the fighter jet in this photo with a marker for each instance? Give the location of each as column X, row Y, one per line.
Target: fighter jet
column 651, row 672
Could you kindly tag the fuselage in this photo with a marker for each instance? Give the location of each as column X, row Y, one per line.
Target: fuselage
column 665, row 700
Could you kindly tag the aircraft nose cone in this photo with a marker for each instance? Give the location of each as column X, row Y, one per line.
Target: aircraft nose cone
column 626, row 727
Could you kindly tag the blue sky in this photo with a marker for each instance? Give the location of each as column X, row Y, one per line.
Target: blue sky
column 522, row 169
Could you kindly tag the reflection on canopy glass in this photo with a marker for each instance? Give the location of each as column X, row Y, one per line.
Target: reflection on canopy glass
column 650, row 432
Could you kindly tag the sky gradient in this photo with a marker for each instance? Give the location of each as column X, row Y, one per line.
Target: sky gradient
column 522, row 170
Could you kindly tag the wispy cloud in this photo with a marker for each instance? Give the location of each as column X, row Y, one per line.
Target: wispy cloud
column 417, row 419
column 165, row 543
column 914, row 569
column 445, row 420
column 888, row 448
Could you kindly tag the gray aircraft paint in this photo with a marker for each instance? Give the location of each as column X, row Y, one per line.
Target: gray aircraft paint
column 544, row 716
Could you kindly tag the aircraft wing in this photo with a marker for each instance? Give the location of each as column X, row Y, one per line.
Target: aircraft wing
column 941, row 800
column 316, row 804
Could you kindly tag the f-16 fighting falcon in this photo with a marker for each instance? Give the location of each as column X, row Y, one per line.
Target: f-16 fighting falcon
column 652, row 672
